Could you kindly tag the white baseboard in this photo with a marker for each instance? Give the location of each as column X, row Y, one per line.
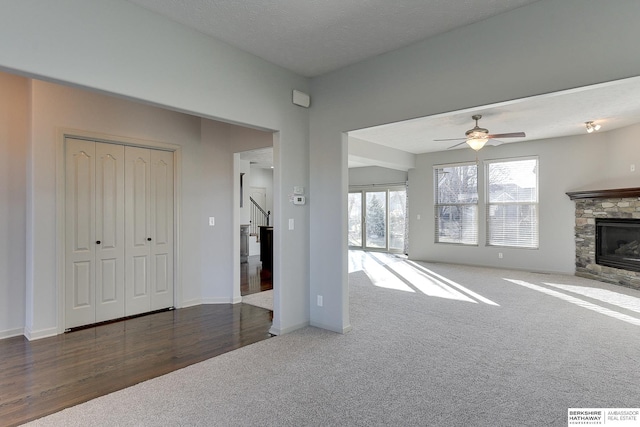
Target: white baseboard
column 42, row 333
column 190, row 303
column 11, row 333
column 281, row 331
column 344, row 330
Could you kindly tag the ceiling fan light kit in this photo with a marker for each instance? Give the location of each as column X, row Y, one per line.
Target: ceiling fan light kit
column 477, row 143
column 477, row 137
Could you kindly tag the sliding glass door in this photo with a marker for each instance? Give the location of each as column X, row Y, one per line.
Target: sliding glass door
column 377, row 219
column 355, row 219
column 397, row 220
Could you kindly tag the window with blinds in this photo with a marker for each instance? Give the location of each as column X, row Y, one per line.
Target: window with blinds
column 512, row 207
column 456, row 203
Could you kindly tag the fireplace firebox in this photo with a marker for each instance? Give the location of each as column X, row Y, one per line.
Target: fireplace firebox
column 618, row 243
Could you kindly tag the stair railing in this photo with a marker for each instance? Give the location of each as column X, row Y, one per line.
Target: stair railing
column 259, row 217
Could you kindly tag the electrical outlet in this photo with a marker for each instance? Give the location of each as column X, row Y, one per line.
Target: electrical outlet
column 418, row 217
column 291, row 224
column 212, row 221
column 500, row 255
column 633, row 168
column 319, row 302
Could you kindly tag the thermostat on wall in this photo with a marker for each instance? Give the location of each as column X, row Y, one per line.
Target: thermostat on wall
column 299, row 200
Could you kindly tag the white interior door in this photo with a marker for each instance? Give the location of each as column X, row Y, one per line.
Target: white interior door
column 149, row 230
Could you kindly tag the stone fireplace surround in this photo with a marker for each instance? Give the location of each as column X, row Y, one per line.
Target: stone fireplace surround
column 616, row 203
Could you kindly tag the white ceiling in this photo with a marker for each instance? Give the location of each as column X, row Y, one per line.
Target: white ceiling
column 315, row 37
column 612, row 105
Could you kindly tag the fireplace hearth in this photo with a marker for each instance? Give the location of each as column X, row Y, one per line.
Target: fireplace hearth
column 607, row 235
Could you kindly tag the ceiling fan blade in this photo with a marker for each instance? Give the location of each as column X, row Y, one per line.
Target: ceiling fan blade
column 457, row 145
column 450, row 139
column 508, row 135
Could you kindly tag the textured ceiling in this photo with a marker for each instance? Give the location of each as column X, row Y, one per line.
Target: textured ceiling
column 612, row 105
column 312, row 37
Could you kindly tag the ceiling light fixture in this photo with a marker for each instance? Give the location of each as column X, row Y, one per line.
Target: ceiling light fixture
column 477, row 142
column 591, row 127
column 477, row 137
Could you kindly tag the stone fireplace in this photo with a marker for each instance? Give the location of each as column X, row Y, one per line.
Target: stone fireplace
column 607, row 224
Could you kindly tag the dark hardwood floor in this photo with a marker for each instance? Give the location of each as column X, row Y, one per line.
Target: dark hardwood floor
column 253, row 278
column 44, row 376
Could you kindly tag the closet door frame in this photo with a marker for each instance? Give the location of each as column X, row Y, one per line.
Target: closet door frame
column 62, row 135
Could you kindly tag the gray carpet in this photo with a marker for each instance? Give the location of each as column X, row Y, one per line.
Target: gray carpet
column 262, row 299
column 410, row 360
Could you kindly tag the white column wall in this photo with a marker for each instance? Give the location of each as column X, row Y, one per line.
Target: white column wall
column 14, row 116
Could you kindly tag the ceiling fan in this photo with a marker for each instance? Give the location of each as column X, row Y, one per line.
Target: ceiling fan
column 478, row 137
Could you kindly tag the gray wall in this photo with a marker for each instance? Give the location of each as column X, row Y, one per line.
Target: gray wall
column 565, row 164
column 75, row 42
column 536, row 49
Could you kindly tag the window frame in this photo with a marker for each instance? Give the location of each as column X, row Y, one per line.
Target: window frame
column 438, row 205
column 489, row 204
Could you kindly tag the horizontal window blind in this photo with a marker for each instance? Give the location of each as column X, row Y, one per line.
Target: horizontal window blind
column 456, row 204
column 512, row 208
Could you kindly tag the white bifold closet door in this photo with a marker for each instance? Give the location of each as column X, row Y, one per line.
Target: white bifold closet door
column 119, row 231
column 148, row 230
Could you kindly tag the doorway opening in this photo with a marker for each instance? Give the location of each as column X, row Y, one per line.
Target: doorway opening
column 256, row 224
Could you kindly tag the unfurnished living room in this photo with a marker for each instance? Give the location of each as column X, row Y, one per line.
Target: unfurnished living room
column 453, row 213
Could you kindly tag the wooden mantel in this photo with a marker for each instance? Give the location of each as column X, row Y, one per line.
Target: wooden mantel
column 617, row 193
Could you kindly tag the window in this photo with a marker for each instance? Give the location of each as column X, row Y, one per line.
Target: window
column 456, row 204
column 512, row 208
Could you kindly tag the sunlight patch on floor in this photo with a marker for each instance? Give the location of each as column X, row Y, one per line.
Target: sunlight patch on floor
column 578, row 301
column 427, row 285
column 455, row 284
column 621, row 300
column 393, row 272
column 381, row 276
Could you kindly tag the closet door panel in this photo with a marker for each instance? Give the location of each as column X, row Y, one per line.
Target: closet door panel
column 137, row 230
column 162, row 218
column 109, row 231
column 79, row 232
